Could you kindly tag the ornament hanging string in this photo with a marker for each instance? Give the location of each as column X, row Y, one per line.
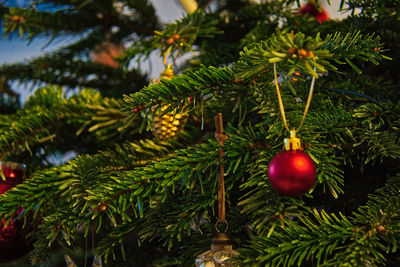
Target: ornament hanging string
column 281, row 103
column 221, row 138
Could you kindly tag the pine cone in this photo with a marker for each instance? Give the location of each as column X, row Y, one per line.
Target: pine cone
column 168, row 126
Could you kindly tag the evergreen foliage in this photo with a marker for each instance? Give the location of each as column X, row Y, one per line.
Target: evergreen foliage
column 145, row 202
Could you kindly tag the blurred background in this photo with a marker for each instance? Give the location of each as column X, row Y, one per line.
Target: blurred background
column 15, row 49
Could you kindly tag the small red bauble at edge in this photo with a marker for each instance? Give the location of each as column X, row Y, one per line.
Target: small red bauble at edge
column 12, row 241
column 292, row 172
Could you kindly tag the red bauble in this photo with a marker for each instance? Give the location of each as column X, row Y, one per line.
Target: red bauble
column 292, row 173
column 13, row 176
column 312, row 10
column 12, row 243
column 106, row 52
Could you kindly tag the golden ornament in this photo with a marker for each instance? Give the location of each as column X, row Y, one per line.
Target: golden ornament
column 171, row 124
column 220, row 255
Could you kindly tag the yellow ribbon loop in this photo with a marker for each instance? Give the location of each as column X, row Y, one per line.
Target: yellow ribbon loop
column 282, row 109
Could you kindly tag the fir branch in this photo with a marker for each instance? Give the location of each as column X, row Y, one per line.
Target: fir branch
column 152, row 203
column 301, row 52
column 177, row 38
column 379, row 132
column 79, row 18
column 179, row 88
column 73, row 182
column 82, row 183
column 38, row 122
column 35, row 22
column 70, row 66
column 370, row 8
column 62, row 70
column 315, row 238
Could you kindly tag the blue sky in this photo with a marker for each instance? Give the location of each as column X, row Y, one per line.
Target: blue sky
column 13, row 48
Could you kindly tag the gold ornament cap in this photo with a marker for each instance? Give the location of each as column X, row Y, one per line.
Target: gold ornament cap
column 168, row 73
column 292, row 143
column 221, row 242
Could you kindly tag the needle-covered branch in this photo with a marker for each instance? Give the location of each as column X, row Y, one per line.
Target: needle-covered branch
column 177, row 38
column 296, row 51
column 316, row 237
column 72, row 17
column 192, row 83
column 38, row 123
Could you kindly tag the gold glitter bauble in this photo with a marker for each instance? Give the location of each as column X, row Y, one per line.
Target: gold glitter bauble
column 220, row 255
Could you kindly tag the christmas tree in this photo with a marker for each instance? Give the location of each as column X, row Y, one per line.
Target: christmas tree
column 143, row 190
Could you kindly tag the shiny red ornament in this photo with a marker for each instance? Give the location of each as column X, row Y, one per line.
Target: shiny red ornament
column 12, row 242
column 311, row 9
column 292, row 173
column 13, row 176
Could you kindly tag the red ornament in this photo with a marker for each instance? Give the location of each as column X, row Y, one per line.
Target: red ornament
column 292, row 173
column 13, row 176
column 311, row 9
column 106, row 52
column 12, row 243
